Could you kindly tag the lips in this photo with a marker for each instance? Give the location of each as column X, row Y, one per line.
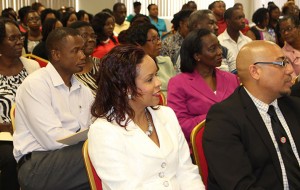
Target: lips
column 157, row 94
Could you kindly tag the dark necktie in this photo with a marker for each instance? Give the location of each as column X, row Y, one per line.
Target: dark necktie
column 290, row 162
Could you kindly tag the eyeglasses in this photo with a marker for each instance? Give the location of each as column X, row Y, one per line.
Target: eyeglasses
column 87, row 36
column 154, row 40
column 288, row 29
column 32, row 19
column 282, row 63
column 15, row 38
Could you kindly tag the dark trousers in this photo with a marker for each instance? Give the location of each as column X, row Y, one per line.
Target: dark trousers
column 8, row 167
column 57, row 169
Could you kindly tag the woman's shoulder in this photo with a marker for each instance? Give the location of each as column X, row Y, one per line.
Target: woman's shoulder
column 29, row 64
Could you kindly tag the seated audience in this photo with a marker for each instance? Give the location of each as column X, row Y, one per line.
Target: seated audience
column 241, row 7
column 83, row 16
column 134, row 143
column 38, row 7
column 13, row 70
column 232, row 38
column 218, row 8
column 48, row 25
column 274, row 13
column 260, row 31
column 206, row 19
column 52, row 104
column 146, row 35
column 88, row 74
column 159, row 23
column 251, row 138
column 49, row 13
column 119, row 12
column 68, row 18
column 34, row 35
column 200, row 85
column 136, row 10
column 290, row 32
column 22, row 17
column 103, row 24
column 172, row 43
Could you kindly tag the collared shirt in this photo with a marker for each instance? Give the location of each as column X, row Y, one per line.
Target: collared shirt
column 234, row 47
column 160, row 25
column 262, row 109
column 119, row 28
column 294, row 55
column 171, row 46
column 48, row 110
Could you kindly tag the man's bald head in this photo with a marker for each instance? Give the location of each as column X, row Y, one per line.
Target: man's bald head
column 256, row 51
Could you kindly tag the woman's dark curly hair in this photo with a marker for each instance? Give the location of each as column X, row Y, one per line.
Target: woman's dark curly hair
column 259, row 15
column 137, row 34
column 98, row 24
column 48, row 26
column 3, row 22
column 116, row 77
column 180, row 16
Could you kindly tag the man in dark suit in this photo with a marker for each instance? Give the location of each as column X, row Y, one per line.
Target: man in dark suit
column 247, row 147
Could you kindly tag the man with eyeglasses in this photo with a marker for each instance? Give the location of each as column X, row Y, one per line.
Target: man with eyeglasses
column 290, row 32
column 251, row 139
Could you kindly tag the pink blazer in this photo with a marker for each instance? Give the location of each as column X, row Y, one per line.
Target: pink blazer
column 191, row 98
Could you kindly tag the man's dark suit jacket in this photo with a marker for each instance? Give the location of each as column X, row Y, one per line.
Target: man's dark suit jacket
column 238, row 148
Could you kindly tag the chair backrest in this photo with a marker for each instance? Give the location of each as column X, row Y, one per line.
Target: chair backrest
column 12, row 116
column 42, row 62
column 94, row 179
column 198, row 153
column 162, row 100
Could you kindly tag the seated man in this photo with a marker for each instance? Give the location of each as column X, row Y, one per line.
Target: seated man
column 246, row 145
column 51, row 104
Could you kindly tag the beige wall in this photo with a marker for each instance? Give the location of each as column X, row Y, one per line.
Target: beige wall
column 95, row 6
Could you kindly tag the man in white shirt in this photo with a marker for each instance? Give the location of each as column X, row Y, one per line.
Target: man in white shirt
column 119, row 12
column 232, row 38
column 51, row 104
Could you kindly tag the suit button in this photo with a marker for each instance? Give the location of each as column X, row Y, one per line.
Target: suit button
column 164, row 164
column 166, row 183
column 161, row 174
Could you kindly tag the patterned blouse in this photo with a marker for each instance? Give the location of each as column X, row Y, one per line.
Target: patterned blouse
column 171, row 46
column 8, row 89
column 89, row 78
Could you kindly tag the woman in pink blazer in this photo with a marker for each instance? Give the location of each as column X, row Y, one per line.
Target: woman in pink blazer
column 200, row 85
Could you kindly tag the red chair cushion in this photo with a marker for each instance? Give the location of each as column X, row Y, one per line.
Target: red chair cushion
column 203, row 164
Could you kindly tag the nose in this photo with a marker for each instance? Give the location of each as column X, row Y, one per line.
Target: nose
column 158, row 82
column 82, row 55
column 289, row 69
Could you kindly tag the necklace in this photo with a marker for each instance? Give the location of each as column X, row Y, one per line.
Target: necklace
column 150, row 126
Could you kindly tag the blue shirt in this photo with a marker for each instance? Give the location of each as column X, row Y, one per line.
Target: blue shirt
column 160, row 25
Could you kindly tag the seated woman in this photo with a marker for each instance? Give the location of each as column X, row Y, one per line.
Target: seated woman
column 13, row 70
column 103, row 24
column 88, row 74
column 200, row 85
column 146, row 35
column 48, row 25
column 34, row 35
column 134, row 144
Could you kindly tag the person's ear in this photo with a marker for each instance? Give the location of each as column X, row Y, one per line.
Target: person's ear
column 197, row 56
column 255, row 72
column 55, row 54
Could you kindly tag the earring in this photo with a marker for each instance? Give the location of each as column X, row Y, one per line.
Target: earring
column 129, row 96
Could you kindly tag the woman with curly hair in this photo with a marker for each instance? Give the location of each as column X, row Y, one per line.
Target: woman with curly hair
column 134, row 144
column 103, row 24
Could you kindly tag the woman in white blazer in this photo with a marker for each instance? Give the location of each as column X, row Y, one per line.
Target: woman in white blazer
column 134, row 144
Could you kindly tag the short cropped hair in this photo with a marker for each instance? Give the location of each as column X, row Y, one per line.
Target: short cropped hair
column 117, row 74
column 229, row 12
column 56, row 38
column 191, row 44
column 198, row 16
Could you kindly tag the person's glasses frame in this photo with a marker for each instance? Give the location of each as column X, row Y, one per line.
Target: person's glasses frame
column 154, row 40
column 282, row 63
column 15, row 38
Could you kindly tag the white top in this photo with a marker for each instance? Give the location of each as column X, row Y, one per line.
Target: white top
column 47, row 110
column 129, row 159
column 234, row 47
